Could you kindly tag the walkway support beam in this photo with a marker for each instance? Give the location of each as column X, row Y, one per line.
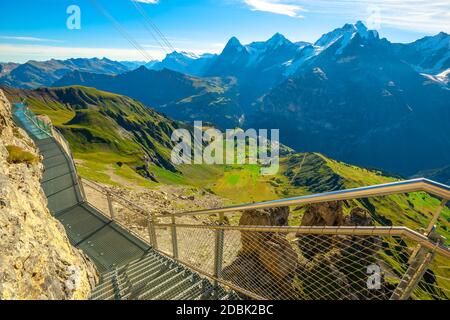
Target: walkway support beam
column 174, row 238
column 218, row 250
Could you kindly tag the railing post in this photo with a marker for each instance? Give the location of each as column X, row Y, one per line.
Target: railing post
column 152, row 231
column 218, row 252
column 436, row 216
column 429, row 231
column 174, row 239
column 83, row 192
column 419, row 260
column 413, row 275
column 110, row 206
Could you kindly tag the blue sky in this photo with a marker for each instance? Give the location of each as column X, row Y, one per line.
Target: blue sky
column 36, row 29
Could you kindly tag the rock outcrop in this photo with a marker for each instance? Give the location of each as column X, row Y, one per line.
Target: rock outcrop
column 266, row 262
column 335, row 267
column 323, row 214
column 36, row 258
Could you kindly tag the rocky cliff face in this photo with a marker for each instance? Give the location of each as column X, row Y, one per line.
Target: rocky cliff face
column 36, row 258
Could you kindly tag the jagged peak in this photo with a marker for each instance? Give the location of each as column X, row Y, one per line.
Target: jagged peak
column 234, row 42
column 348, row 30
column 436, row 42
column 277, row 36
column 233, row 46
column 277, row 39
column 185, row 54
column 140, row 69
column 359, row 25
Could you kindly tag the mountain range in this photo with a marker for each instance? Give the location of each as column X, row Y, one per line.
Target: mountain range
column 361, row 101
column 278, row 57
column 350, row 95
column 33, row 74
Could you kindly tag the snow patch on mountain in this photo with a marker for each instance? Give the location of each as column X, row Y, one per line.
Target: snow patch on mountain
column 441, row 78
column 340, row 36
column 304, row 55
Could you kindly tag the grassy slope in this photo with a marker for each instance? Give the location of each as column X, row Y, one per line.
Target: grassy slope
column 106, row 131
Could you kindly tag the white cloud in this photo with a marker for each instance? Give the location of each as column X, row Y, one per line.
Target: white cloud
column 415, row 15
column 275, row 6
column 23, row 53
column 28, row 39
column 147, row 1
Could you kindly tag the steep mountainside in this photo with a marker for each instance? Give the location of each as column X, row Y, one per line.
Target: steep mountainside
column 180, row 96
column 441, row 175
column 430, row 54
column 35, row 74
column 257, row 66
column 7, row 67
column 106, row 129
column 36, row 258
column 154, row 88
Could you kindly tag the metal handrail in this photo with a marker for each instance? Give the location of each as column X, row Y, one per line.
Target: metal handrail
column 414, row 185
column 94, row 185
column 37, row 122
column 329, row 230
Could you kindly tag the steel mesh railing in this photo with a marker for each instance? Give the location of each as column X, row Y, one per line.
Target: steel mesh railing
column 266, row 262
column 285, row 262
column 44, row 126
column 61, row 141
column 123, row 212
column 333, row 263
column 435, row 283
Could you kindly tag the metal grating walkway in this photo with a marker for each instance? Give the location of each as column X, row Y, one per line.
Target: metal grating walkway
column 131, row 268
column 106, row 243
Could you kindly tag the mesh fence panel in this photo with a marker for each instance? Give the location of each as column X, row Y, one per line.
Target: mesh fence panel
column 97, row 198
column 435, row 283
column 135, row 222
column 203, row 255
column 290, row 265
column 164, row 240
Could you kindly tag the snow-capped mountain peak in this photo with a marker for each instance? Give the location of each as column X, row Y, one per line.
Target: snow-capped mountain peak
column 346, row 33
column 430, row 54
column 274, row 51
column 184, row 54
column 176, row 57
column 234, row 44
column 439, row 41
column 277, row 40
